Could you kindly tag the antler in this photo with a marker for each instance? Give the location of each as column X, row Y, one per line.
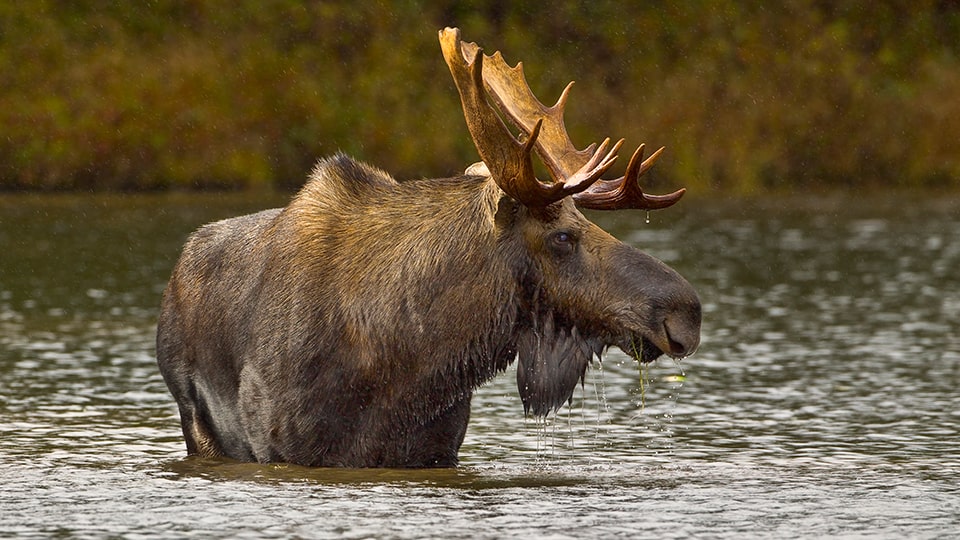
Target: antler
column 625, row 192
column 510, row 89
column 575, row 172
column 509, row 160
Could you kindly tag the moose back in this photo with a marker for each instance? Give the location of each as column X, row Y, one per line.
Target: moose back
column 351, row 327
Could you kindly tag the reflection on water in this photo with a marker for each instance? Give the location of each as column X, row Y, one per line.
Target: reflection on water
column 822, row 401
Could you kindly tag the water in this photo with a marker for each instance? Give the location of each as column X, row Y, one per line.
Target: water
column 823, row 400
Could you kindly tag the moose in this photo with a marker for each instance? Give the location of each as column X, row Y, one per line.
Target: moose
column 351, row 327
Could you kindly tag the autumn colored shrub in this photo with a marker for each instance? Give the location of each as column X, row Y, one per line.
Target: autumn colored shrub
column 213, row 94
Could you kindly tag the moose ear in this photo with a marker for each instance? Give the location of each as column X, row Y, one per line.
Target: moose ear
column 477, row 169
column 551, row 362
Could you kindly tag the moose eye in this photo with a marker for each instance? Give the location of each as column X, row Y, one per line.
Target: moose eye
column 562, row 242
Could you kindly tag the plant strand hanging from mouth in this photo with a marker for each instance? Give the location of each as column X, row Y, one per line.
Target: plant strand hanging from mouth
column 642, row 372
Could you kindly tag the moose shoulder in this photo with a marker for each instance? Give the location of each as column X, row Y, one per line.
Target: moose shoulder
column 351, row 327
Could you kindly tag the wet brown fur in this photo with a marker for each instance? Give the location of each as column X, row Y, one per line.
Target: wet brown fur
column 351, row 327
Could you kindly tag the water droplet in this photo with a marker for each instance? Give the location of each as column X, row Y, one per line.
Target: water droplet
column 647, row 221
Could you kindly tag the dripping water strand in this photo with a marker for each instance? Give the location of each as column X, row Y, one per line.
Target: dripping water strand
column 600, row 394
column 674, row 397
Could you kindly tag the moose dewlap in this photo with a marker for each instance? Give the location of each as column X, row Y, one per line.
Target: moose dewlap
column 351, row 327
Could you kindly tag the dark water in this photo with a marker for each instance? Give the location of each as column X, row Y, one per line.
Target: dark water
column 823, row 402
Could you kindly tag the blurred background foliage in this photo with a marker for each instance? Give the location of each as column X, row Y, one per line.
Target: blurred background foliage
column 746, row 95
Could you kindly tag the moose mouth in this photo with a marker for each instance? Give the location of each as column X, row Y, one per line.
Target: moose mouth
column 639, row 348
column 646, row 348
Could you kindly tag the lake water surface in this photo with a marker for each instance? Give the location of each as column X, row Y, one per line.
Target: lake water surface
column 823, row 401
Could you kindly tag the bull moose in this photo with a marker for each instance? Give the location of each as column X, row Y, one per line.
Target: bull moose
column 351, row 327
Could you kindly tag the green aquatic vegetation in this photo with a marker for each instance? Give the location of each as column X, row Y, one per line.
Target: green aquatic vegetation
column 644, row 378
column 642, row 372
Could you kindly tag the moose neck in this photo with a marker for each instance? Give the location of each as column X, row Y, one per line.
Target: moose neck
column 433, row 301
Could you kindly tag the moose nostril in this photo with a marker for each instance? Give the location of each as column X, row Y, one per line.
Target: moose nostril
column 682, row 327
column 676, row 348
column 683, row 339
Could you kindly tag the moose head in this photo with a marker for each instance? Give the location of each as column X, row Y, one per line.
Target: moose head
column 591, row 290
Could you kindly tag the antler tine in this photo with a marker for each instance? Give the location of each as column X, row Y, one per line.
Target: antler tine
column 509, row 160
column 625, row 192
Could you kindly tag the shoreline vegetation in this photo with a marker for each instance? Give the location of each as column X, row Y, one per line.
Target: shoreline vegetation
column 747, row 96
